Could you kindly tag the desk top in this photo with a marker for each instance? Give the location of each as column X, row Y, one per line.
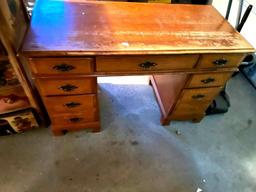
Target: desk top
column 79, row 27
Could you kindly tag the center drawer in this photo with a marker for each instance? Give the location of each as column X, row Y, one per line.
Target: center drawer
column 70, row 104
column 66, row 86
column 145, row 63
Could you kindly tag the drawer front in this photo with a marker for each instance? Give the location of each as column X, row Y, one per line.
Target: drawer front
column 199, row 95
column 70, row 119
column 70, row 104
column 145, row 63
column 186, row 111
column 59, row 129
column 54, row 66
column 208, row 79
column 67, row 86
column 220, row 60
column 195, row 101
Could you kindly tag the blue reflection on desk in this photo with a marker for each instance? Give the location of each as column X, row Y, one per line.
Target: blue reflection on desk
column 49, row 18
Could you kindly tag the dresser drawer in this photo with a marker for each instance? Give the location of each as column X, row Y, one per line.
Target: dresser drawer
column 70, row 104
column 186, row 111
column 194, row 102
column 199, row 95
column 73, row 119
column 145, row 63
column 208, row 80
column 219, row 60
column 63, row 65
column 67, row 86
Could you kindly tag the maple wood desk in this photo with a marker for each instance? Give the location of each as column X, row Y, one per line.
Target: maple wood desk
column 190, row 51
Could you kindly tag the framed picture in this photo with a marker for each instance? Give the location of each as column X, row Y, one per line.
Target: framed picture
column 18, row 122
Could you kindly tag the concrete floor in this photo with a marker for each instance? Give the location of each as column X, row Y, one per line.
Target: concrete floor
column 134, row 153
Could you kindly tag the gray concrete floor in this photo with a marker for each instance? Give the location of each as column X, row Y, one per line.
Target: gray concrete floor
column 134, row 153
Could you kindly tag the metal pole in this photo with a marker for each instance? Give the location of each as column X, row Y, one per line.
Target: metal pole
column 244, row 18
column 240, row 8
column 228, row 9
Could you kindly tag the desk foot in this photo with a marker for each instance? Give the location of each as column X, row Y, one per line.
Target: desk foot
column 150, row 83
column 165, row 121
column 58, row 132
column 96, row 130
column 196, row 120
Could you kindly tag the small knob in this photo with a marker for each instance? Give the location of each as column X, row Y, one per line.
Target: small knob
column 147, row 65
column 75, row 119
column 198, row 96
column 220, row 62
column 68, row 87
column 63, row 67
column 72, row 104
column 208, row 80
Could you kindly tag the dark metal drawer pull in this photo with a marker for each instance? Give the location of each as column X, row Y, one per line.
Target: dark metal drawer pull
column 198, row 97
column 208, row 80
column 220, row 62
column 68, row 87
column 63, row 67
column 75, row 119
column 72, row 104
column 147, row 65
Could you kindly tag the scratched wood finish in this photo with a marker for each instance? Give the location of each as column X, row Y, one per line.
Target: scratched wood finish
column 78, row 27
column 113, row 34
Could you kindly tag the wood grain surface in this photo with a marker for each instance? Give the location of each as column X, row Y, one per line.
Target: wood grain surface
column 77, row 27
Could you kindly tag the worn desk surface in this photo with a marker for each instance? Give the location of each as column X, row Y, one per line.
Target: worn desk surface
column 78, row 27
column 193, row 44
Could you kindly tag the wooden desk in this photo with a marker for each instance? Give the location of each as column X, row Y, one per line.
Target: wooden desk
column 190, row 51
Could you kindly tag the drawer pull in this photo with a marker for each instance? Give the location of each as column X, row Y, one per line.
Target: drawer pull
column 75, row 119
column 68, row 87
column 220, row 62
column 72, row 104
column 198, row 97
column 63, row 67
column 208, row 80
column 147, row 65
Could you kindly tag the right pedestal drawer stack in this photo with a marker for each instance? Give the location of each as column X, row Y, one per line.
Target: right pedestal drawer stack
column 192, row 93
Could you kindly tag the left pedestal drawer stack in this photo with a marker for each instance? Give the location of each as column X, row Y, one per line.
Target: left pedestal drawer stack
column 68, row 92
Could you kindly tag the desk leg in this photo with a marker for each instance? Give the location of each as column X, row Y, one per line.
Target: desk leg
column 57, row 132
column 167, row 88
column 165, row 121
column 96, row 129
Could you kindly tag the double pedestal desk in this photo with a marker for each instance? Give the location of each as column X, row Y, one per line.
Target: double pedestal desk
column 190, row 51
